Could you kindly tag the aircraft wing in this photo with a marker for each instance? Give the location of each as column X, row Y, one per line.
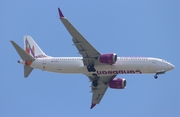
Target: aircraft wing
column 88, row 52
column 99, row 91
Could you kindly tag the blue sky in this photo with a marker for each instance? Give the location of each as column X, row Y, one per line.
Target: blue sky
column 129, row 28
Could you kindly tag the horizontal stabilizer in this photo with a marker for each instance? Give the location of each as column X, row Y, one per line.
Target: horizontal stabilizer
column 24, row 56
column 27, row 71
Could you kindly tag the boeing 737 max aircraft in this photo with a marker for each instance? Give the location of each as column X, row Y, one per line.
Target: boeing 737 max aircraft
column 100, row 68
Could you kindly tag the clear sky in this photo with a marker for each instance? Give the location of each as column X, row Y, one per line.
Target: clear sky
column 127, row 27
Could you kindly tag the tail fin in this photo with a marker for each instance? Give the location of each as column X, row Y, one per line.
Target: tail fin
column 32, row 48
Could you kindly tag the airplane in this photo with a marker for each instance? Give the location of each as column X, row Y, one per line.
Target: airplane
column 101, row 69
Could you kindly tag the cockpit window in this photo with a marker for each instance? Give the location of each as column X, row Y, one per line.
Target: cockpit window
column 164, row 60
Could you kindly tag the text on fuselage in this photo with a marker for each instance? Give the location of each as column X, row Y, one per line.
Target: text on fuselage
column 120, row 72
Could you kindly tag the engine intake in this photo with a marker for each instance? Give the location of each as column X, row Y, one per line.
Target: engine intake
column 108, row 58
column 117, row 83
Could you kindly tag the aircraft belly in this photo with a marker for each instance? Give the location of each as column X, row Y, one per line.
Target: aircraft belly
column 124, row 68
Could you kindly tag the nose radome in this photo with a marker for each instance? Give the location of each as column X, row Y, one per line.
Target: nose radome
column 171, row 66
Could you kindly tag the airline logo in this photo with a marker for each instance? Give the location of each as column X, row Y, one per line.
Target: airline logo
column 29, row 50
column 120, row 72
column 41, row 56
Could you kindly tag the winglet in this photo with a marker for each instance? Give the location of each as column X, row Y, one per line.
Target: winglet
column 60, row 13
column 92, row 105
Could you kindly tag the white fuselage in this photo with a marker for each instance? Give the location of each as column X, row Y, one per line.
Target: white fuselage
column 124, row 65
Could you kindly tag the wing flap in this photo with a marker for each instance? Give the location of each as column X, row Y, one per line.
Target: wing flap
column 98, row 93
column 100, row 90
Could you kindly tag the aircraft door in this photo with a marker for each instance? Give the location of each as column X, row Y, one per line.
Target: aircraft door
column 44, row 64
column 153, row 66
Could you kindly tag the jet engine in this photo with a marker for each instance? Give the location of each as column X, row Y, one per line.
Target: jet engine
column 108, row 58
column 117, row 83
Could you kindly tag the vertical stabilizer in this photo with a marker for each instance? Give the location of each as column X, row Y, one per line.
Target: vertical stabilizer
column 32, row 48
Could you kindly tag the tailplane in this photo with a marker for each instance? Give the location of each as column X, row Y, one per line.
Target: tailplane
column 27, row 71
column 25, row 57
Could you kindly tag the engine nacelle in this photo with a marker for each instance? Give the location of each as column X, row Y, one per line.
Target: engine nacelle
column 108, row 58
column 117, row 83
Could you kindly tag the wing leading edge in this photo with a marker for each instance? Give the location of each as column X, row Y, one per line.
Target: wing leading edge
column 88, row 52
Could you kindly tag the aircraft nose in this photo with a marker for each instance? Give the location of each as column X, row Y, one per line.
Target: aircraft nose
column 171, row 66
